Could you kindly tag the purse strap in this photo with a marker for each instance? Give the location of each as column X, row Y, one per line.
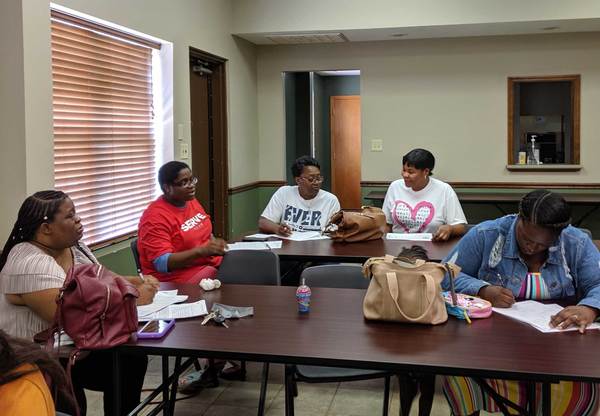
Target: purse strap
column 395, row 290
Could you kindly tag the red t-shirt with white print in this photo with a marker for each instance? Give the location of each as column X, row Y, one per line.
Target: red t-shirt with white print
column 165, row 228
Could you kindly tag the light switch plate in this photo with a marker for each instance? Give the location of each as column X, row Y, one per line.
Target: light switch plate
column 376, row 145
column 184, row 151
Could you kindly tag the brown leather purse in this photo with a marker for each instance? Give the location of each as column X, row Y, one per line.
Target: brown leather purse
column 405, row 292
column 350, row 227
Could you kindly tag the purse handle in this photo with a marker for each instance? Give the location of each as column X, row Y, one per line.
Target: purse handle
column 395, row 290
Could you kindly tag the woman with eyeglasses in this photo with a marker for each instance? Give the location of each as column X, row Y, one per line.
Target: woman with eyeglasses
column 533, row 255
column 418, row 203
column 304, row 207
column 175, row 240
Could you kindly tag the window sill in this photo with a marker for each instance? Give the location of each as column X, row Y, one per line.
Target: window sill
column 544, row 168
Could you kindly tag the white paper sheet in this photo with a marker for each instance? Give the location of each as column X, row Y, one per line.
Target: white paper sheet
column 260, row 235
column 304, row 236
column 537, row 315
column 255, row 245
column 186, row 310
column 248, row 245
column 409, row 236
column 162, row 299
column 274, row 244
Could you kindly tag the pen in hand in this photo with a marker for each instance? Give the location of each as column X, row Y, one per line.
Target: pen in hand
column 141, row 277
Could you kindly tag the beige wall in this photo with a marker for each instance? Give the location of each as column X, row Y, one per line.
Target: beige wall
column 25, row 106
column 447, row 95
column 268, row 16
column 25, row 103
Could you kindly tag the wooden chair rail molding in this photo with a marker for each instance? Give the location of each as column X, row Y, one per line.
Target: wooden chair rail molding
column 255, row 185
column 502, row 185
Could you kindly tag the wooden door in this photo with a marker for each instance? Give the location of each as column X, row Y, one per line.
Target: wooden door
column 201, row 156
column 209, row 136
column 345, row 149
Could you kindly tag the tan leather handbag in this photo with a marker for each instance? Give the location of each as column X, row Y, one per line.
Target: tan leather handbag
column 350, row 227
column 405, row 292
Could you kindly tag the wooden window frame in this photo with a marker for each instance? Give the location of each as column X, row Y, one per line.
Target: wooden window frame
column 575, row 81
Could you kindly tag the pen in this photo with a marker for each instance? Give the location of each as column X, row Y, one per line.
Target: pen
column 501, row 279
column 141, row 277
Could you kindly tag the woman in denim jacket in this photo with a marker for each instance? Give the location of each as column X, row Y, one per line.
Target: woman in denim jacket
column 532, row 255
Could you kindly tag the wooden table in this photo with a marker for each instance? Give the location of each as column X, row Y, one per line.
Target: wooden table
column 327, row 250
column 335, row 333
column 497, row 199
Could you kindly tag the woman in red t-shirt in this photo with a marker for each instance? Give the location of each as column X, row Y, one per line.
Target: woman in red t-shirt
column 175, row 234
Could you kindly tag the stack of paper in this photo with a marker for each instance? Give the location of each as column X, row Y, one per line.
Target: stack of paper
column 409, row 236
column 162, row 299
column 186, row 310
column 537, row 315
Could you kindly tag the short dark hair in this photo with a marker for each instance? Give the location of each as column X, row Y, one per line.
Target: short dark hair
column 301, row 162
column 546, row 209
column 420, row 159
column 413, row 253
column 169, row 171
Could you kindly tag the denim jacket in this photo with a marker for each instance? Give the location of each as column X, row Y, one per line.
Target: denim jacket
column 489, row 255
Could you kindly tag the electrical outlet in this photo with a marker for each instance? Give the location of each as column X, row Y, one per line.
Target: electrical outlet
column 376, row 145
column 184, row 151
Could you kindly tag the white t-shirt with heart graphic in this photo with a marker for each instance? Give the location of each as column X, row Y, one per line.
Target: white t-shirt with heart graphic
column 423, row 211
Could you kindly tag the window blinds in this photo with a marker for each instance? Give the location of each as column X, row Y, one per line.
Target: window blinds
column 103, row 126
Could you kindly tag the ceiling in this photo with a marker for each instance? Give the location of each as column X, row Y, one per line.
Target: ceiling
column 425, row 32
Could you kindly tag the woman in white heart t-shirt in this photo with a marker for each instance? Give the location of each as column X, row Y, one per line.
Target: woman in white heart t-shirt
column 418, row 203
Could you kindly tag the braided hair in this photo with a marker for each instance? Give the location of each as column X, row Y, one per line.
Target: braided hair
column 545, row 209
column 37, row 209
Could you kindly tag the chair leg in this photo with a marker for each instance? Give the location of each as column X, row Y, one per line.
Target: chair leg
column 243, row 370
column 386, row 396
column 173, row 397
column 289, row 396
column 263, row 389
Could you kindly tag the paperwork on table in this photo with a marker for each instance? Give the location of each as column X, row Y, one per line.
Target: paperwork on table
column 162, row 299
column 537, row 315
column 295, row 236
column 254, row 245
column 185, row 310
column 409, row 236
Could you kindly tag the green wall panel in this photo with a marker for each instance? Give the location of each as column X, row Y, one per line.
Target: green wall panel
column 243, row 212
column 117, row 258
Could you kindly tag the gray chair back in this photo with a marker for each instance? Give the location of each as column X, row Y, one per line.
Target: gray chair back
column 250, row 267
column 347, row 276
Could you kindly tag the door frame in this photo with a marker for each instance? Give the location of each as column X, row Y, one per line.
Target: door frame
column 218, row 126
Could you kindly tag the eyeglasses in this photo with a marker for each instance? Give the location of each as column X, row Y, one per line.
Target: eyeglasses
column 313, row 179
column 187, row 182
